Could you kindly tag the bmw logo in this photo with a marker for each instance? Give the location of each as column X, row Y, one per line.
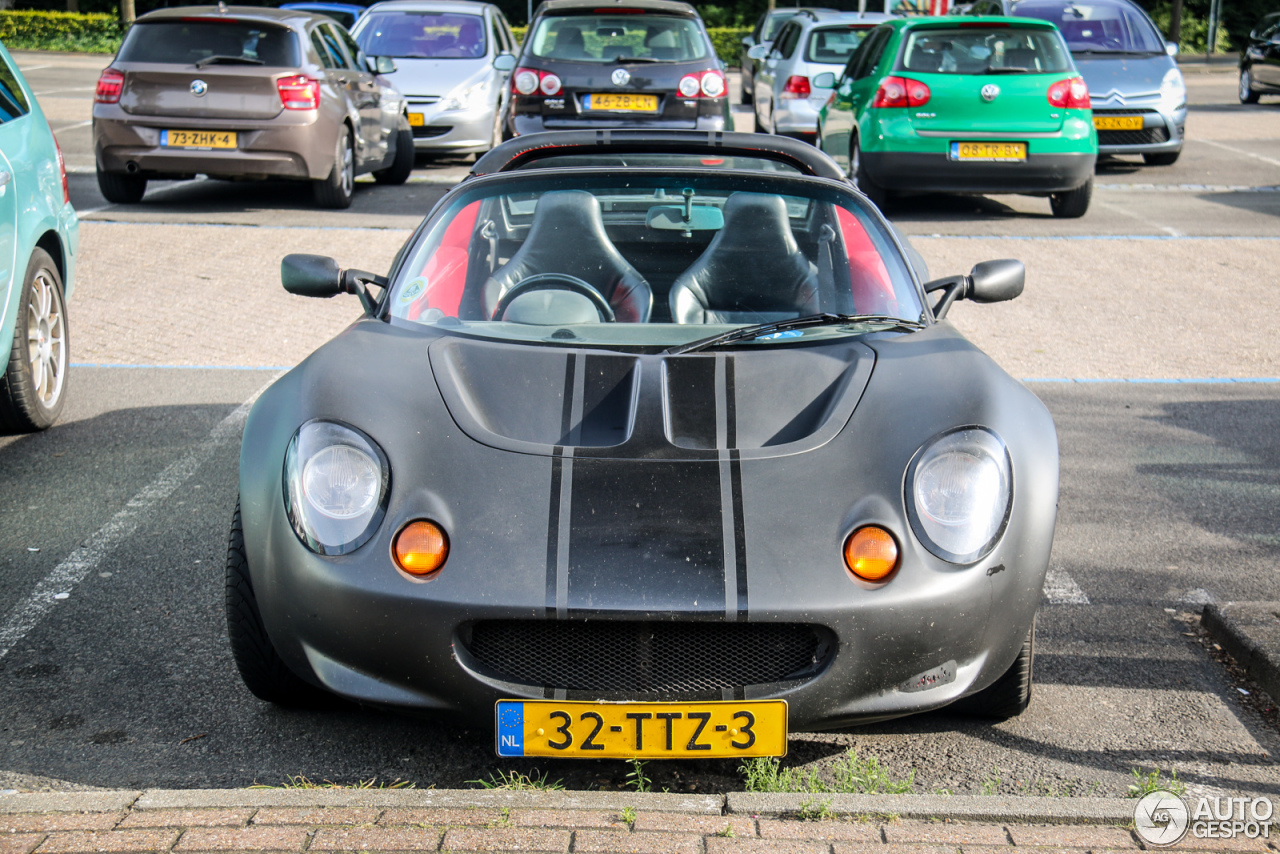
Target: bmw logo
column 621, row 77
column 990, row 91
column 198, row 88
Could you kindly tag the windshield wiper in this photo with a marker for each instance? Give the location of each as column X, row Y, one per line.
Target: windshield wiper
column 1008, row 69
column 627, row 60
column 219, row 59
column 760, row 330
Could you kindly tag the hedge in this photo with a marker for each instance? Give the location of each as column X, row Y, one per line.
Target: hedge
column 60, row 31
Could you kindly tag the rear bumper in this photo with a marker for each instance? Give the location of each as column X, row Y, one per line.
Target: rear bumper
column 1039, row 174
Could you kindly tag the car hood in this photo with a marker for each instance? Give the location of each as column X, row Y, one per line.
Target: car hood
column 1124, row 76
column 437, row 77
column 760, row 401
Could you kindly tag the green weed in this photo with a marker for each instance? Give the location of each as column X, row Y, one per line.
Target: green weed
column 629, row 816
column 814, row 810
column 849, row 776
column 636, row 778
column 1145, row 784
column 301, row 782
column 517, row 782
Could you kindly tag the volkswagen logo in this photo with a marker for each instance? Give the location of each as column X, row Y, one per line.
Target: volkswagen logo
column 198, row 88
column 620, row 77
column 990, row 91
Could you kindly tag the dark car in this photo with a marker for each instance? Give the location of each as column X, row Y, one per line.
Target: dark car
column 765, row 29
column 644, row 64
column 1260, row 61
column 654, row 443
column 247, row 93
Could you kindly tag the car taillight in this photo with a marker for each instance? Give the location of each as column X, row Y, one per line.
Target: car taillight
column 531, row 81
column 110, row 85
column 901, row 92
column 797, row 87
column 1072, row 94
column 62, row 169
column 705, row 84
column 299, row 92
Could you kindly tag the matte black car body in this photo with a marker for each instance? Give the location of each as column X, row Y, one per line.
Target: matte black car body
column 1260, row 61
column 701, row 496
column 566, row 110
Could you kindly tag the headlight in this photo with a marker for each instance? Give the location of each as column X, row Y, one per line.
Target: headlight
column 336, row 481
column 1173, row 89
column 471, row 98
column 960, row 486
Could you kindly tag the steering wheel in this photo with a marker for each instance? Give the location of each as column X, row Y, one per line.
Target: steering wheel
column 555, row 282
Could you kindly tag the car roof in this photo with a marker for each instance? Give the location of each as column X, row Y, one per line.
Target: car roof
column 833, row 16
column 663, row 7
column 467, row 6
column 523, row 150
column 947, row 23
column 282, row 17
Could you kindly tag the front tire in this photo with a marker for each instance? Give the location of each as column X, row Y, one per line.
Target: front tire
column 264, row 673
column 1010, row 695
column 33, row 386
column 876, row 194
column 1162, row 158
column 1247, row 95
column 748, row 97
column 337, row 190
column 1073, row 203
column 121, row 189
column 402, row 166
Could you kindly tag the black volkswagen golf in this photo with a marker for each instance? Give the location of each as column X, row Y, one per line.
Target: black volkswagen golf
column 646, row 63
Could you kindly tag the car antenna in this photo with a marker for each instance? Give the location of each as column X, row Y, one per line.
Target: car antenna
column 222, row 7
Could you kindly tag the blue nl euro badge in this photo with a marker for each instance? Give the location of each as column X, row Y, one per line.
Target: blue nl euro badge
column 510, row 728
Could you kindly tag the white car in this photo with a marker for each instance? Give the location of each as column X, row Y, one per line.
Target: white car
column 452, row 62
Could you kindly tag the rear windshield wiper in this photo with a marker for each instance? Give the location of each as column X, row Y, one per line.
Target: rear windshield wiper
column 761, row 330
column 1008, row 69
column 626, row 60
column 221, row 59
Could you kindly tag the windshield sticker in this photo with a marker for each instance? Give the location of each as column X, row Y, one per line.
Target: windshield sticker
column 412, row 291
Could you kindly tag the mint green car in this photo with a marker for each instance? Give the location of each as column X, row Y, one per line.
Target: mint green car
column 39, row 237
column 986, row 104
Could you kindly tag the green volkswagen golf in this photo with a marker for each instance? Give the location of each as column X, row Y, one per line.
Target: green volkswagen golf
column 970, row 105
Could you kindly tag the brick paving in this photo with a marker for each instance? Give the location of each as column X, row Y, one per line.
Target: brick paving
column 191, row 830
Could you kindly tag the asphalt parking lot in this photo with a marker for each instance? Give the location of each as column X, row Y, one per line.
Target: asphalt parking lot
column 1146, row 327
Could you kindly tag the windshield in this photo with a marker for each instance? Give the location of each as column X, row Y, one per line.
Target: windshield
column 834, row 45
column 1101, row 28
column 421, row 35
column 672, row 257
column 981, row 50
column 614, row 38
column 187, row 41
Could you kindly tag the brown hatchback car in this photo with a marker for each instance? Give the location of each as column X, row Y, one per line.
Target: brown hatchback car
column 247, row 93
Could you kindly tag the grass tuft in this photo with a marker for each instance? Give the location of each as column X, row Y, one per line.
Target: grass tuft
column 849, row 776
column 1153, row 781
column 301, row 782
column 516, row 782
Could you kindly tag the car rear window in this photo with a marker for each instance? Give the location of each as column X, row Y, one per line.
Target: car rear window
column 1103, row 27
column 618, row 38
column 13, row 103
column 978, row 49
column 186, row 41
column 834, row 45
column 422, row 35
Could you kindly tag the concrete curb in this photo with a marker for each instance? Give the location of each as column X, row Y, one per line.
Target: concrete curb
column 954, row 808
column 1250, row 633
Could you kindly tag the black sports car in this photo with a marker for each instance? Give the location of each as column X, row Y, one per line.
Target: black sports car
column 656, row 439
column 647, row 63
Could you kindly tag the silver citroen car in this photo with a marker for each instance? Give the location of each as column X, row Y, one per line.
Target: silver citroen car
column 452, row 59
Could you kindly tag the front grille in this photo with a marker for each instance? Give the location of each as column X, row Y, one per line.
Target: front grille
column 1146, row 136
column 428, row 131
column 648, row 657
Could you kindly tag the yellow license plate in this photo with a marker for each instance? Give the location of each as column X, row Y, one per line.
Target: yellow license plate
column 1117, row 122
column 417, row 120
column 197, row 139
column 631, row 103
column 643, row 730
column 998, row 151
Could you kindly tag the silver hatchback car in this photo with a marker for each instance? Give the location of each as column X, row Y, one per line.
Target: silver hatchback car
column 813, row 41
column 452, row 59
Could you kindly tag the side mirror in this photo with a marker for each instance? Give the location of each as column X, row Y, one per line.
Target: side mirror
column 1171, row 48
column 311, row 276
column 990, row 281
column 760, row 51
column 383, row 65
column 504, row 62
column 825, row 80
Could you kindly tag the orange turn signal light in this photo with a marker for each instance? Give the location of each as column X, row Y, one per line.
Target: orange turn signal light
column 871, row 553
column 421, row 548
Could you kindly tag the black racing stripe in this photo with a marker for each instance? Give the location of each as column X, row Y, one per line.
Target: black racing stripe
column 730, row 403
column 566, row 412
column 739, row 531
column 553, row 528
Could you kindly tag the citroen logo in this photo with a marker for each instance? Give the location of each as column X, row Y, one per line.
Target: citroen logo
column 198, row 88
column 620, row 77
column 990, row 92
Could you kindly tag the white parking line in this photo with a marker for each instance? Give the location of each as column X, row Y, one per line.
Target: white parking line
column 1061, row 589
column 1235, row 150
column 25, row 68
column 58, row 91
column 74, row 126
column 57, row 585
column 1166, row 229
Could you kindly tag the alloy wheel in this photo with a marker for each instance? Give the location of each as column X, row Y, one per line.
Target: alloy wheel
column 46, row 340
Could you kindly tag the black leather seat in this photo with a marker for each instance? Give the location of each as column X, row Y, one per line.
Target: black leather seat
column 752, row 272
column 568, row 236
